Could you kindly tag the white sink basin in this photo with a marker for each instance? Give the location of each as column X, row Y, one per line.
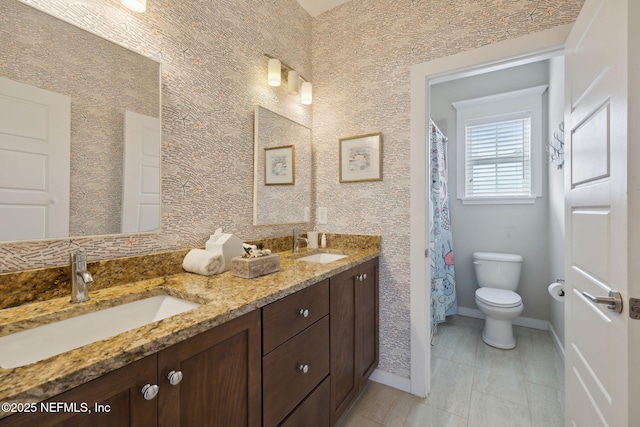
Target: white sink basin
column 33, row 345
column 323, row 258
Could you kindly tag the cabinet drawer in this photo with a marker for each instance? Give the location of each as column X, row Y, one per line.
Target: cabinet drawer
column 314, row 411
column 283, row 319
column 284, row 384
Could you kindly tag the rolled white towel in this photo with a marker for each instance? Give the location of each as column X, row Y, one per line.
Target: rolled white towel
column 203, row 262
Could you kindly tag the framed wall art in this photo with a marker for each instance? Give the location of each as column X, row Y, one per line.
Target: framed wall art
column 280, row 165
column 361, row 158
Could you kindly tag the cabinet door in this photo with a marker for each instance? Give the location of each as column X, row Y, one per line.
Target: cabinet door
column 115, row 399
column 367, row 344
column 353, row 310
column 342, row 300
column 221, row 377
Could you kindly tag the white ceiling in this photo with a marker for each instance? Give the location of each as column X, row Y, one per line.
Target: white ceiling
column 316, row 7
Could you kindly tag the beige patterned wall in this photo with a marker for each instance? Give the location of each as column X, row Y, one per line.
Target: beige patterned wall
column 363, row 51
column 214, row 72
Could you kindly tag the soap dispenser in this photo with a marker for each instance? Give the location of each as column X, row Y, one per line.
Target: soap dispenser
column 323, row 241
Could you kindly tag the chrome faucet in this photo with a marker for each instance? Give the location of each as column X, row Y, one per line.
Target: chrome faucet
column 296, row 240
column 80, row 278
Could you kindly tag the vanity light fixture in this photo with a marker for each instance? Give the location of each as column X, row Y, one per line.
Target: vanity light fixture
column 296, row 84
column 135, row 5
column 274, row 72
column 306, row 95
column 293, row 82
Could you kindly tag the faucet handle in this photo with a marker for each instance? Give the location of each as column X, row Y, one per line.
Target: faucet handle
column 78, row 258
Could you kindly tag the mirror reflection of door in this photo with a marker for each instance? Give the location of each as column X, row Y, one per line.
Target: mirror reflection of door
column 35, row 128
column 141, row 183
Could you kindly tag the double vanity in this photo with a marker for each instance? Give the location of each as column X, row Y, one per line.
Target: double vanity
column 290, row 348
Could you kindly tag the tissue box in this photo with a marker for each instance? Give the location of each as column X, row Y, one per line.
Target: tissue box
column 226, row 244
column 254, row 267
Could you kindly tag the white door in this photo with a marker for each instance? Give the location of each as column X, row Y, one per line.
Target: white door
column 600, row 192
column 141, row 198
column 35, row 128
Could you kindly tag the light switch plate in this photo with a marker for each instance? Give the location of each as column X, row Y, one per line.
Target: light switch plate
column 322, row 215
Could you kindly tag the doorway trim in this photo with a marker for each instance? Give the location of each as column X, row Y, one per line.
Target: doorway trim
column 504, row 54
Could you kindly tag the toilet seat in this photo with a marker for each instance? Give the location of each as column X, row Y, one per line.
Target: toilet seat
column 498, row 297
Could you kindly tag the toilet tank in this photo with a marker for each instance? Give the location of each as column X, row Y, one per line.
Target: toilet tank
column 497, row 270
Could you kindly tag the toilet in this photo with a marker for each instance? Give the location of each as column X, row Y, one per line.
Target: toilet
column 498, row 276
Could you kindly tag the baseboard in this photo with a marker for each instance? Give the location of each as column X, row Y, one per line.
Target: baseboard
column 470, row 312
column 527, row 322
column 556, row 339
column 392, row 380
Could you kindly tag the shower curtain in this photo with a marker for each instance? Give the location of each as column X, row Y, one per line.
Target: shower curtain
column 443, row 282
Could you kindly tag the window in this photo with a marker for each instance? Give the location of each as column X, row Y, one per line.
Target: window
column 499, row 146
column 498, row 157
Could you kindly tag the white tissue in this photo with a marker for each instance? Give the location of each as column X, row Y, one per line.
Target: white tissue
column 555, row 289
column 203, row 262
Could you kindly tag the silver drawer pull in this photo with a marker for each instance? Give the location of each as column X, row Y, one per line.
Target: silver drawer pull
column 174, row 377
column 150, row 391
column 304, row 368
column 304, row 312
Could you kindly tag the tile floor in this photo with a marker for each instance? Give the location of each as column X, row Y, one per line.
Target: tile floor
column 474, row 385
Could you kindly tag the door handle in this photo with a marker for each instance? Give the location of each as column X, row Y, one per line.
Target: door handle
column 614, row 300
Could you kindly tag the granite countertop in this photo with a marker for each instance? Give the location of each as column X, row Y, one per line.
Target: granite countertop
column 223, row 297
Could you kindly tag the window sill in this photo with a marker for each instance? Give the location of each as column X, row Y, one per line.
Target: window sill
column 499, row 201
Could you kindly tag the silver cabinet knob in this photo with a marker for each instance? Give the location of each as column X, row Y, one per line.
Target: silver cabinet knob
column 365, row 276
column 304, row 368
column 150, row 391
column 174, row 377
column 304, row 312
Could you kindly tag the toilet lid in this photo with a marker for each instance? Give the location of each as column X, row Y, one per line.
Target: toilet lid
column 498, row 297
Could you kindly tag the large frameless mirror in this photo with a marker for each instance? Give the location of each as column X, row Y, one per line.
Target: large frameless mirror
column 282, row 170
column 80, row 131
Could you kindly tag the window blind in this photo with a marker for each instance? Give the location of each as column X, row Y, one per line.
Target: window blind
column 498, row 157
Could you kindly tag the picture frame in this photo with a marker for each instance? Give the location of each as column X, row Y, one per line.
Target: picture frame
column 361, row 158
column 280, row 165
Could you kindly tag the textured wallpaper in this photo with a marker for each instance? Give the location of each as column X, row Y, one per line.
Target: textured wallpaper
column 362, row 54
column 213, row 74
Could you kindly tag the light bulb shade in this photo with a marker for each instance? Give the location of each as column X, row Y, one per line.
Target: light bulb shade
column 135, row 5
column 293, row 82
column 274, row 72
column 305, row 93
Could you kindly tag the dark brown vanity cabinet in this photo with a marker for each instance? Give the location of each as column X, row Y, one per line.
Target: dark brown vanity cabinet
column 114, row 399
column 354, row 333
column 217, row 383
column 320, row 345
column 295, row 362
column 299, row 361
column 220, row 377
